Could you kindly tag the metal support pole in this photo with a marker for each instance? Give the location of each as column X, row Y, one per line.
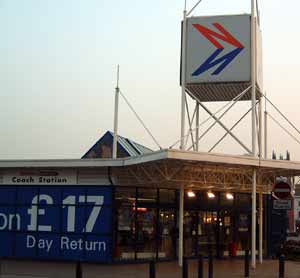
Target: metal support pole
column 246, row 266
column 281, row 266
column 182, row 145
column 152, row 269
column 183, row 62
column 197, row 126
column 260, row 134
column 253, row 232
column 78, row 270
column 210, row 265
column 261, row 227
column 200, row 267
column 181, row 210
column 253, row 75
column 116, row 118
column 185, row 268
column 266, row 130
column 253, row 99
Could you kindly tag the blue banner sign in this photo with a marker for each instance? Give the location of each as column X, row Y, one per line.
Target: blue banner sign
column 69, row 223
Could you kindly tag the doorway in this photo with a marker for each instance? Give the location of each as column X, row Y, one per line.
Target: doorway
column 208, row 231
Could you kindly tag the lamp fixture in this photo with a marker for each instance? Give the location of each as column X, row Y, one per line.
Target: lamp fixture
column 210, row 195
column 191, row 194
column 229, row 196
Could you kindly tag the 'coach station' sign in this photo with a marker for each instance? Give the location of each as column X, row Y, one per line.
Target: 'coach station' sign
column 34, row 177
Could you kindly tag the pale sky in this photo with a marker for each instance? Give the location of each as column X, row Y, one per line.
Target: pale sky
column 58, row 72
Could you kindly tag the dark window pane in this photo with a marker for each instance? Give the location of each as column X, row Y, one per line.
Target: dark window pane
column 125, row 245
column 147, row 196
column 167, row 196
column 226, row 199
column 167, row 235
column 190, row 233
column 243, row 199
column 125, row 196
column 146, row 233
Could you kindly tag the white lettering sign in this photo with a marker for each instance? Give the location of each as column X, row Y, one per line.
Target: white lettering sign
column 282, row 204
column 50, row 177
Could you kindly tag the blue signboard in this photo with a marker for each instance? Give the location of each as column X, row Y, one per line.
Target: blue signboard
column 70, row 223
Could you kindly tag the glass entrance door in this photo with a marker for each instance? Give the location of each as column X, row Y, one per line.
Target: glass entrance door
column 200, row 233
column 226, row 233
column 208, row 232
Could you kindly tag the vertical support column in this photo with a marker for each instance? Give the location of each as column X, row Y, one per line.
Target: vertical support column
column 183, row 67
column 253, row 100
column 197, row 126
column 253, row 232
column 253, row 76
column 182, row 144
column 260, row 134
column 181, row 212
column 261, row 207
column 116, row 118
column 266, row 129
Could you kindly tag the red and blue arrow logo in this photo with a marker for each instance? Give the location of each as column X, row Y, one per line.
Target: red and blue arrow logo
column 216, row 58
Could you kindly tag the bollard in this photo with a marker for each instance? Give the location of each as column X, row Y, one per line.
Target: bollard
column 200, row 267
column 152, row 269
column 281, row 266
column 185, row 268
column 247, row 263
column 210, row 265
column 78, row 270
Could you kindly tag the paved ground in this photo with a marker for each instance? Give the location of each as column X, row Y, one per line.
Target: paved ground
column 222, row 269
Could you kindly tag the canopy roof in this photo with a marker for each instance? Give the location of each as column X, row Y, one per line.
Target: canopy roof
column 173, row 168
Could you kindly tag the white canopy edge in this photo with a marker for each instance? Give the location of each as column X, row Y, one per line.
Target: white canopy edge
column 203, row 157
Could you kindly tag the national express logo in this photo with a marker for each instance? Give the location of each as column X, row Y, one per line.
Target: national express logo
column 217, row 59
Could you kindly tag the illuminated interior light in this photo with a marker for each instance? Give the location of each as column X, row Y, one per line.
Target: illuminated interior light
column 211, row 195
column 229, row 196
column 139, row 209
column 191, row 194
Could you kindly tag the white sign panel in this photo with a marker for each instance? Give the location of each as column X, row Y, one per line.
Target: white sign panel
column 282, row 204
column 218, row 49
column 33, row 177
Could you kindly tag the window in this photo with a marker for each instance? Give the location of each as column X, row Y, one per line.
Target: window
column 167, row 196
column 146, row 228
column 146, row 233
column 167, row 233
column 243, row 199
column 147, row 196
column 226, row 199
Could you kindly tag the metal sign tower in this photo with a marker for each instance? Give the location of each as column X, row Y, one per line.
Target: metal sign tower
column 221, row 61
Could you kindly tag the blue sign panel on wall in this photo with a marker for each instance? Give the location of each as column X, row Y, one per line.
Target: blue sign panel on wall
column 70, row 223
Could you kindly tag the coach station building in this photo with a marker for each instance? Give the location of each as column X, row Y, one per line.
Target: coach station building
column 103, row 210
column 122, row 202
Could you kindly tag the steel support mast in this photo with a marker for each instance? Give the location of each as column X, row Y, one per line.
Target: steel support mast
column 116, row 117
column 253, row 100
column 182, row 141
